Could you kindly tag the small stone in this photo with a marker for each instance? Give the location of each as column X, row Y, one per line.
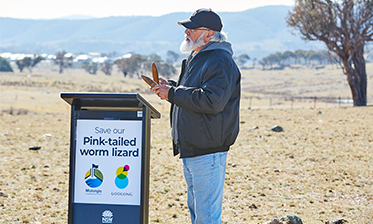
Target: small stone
column 253, row 206
column 234, row 165
column 255, row 127
column 34, row 148
column 277, row 128
column 291, row 220
column 6, row 134
column 47, row 135
column 275, row 221
column 336, row 221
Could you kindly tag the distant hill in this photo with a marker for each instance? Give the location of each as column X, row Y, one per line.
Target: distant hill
column 256, row 32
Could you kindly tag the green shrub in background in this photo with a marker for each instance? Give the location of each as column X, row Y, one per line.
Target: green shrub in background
column 5, row 66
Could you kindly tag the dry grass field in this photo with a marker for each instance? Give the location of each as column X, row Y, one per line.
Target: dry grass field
column 319, row 168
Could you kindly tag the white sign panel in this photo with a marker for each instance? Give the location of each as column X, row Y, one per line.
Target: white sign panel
column 108, row 162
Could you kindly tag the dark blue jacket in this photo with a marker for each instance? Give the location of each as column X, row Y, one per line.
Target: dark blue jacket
column 208, row 97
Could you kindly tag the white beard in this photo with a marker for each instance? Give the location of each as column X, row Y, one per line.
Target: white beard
column 186, row 47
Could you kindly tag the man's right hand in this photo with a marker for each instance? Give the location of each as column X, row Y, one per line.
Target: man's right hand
column 163, row 81
column 161, row 90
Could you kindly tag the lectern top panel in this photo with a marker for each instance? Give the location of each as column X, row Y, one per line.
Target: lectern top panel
column 109, row 101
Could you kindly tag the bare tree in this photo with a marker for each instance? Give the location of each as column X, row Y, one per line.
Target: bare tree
column 62, row 61
column 345, row 26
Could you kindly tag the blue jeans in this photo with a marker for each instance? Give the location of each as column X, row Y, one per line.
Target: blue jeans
column 204, row 176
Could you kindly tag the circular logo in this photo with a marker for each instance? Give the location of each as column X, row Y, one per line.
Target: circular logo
column 94, row 177
column 107, row 216
column 121, row 181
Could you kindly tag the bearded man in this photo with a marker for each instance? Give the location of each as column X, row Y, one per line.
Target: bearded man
column 204, row 112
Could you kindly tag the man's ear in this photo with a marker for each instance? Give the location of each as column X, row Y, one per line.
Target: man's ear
column 210, row 33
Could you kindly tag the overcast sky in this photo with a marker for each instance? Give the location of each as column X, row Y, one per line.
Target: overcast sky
column 48, row 9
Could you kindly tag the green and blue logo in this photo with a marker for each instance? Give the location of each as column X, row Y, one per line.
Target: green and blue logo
column 94, row 177
column 121, row 181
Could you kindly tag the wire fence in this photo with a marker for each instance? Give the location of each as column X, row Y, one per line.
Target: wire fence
column 288, row 102
column 296, row 102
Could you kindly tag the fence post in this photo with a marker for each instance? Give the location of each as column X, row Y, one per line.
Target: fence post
column 292, row 100
column 314, row 104
column 270, row 102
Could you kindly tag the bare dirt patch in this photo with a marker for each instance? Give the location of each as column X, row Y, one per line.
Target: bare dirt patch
column 319, row 168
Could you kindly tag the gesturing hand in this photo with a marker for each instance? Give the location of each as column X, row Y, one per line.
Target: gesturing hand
column 161, row 90
column 163, row 81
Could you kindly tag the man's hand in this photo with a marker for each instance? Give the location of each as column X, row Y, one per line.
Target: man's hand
column 161, row 90
column 163, row 81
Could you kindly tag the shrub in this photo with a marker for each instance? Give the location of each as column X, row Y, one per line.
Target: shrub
column 5, row 66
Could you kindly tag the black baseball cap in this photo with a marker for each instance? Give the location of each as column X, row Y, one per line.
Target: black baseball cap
column 203, row 18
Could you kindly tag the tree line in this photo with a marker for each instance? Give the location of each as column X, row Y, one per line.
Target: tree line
column 302, row 57
column 26, row 62
column 132, row 66
column 137, row 64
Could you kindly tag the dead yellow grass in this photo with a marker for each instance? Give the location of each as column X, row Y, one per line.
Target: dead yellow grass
column 319, row 168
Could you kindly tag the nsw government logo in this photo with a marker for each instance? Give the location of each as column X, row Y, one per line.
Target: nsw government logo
column 107, row 216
